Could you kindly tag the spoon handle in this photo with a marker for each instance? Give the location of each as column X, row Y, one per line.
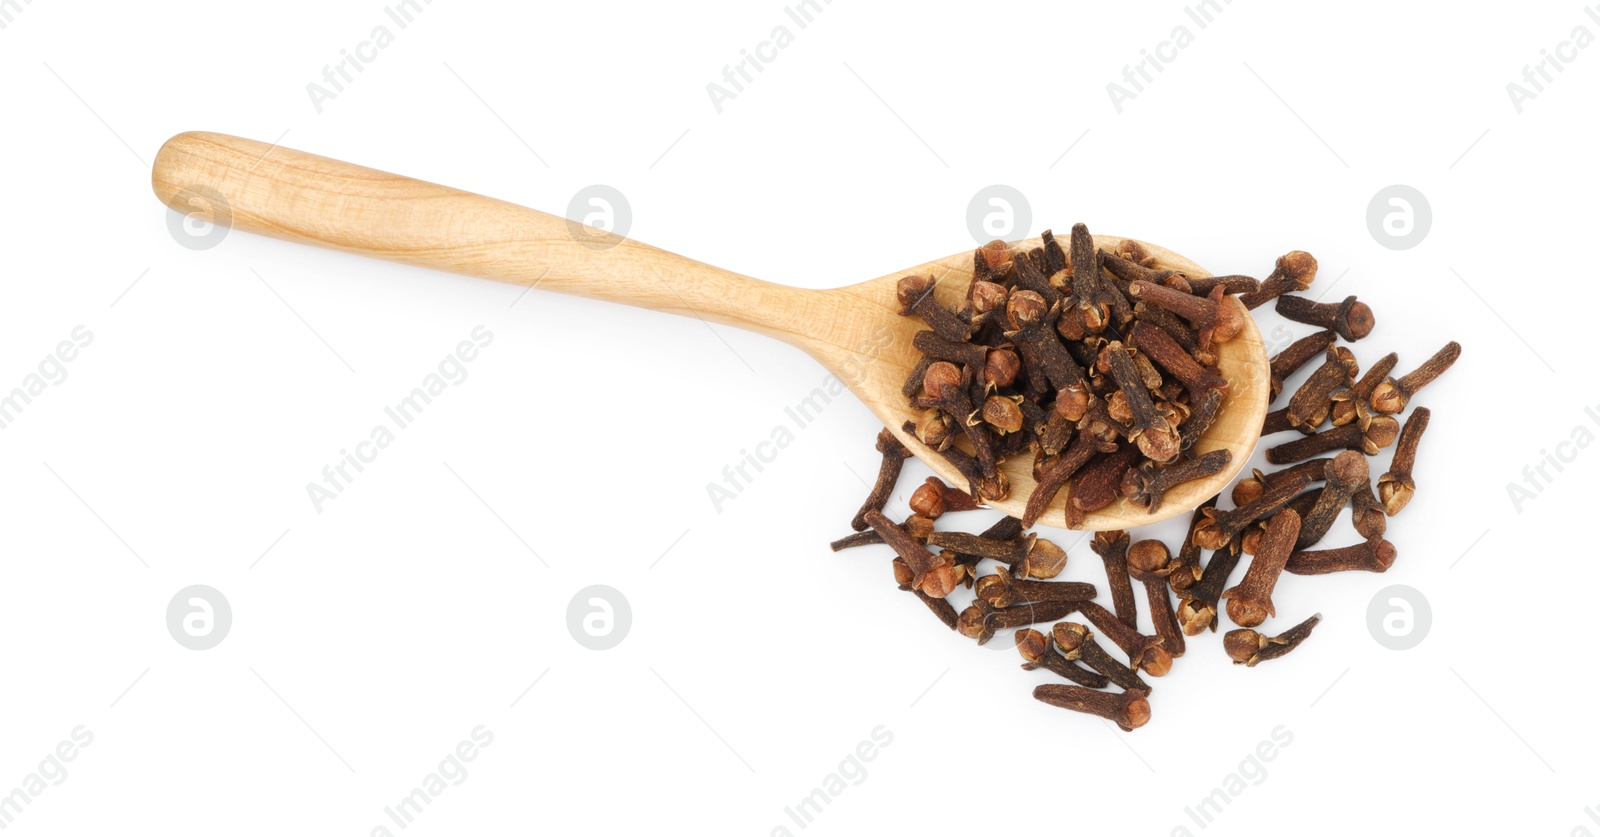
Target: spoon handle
column 248, row 185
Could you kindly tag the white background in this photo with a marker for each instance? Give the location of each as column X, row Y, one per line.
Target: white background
column 368, row 639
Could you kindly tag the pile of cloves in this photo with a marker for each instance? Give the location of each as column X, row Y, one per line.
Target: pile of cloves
column 1098, row 364
column 1107, row 376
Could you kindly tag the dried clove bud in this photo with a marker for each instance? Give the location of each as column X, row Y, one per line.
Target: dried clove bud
column 1164, row 351
column 1376, row 555
column 1112, row 547
column 894, row 456
column 1128, row 710
column 1247, row 647
column 915, row 294
column 1217, row 318
column 1391, row 396
column 1029, row 556
column 1185, row 568
column 1042, row 353
column 1053, row 478
column 1220, row 527
column 982, row 622
column 1294, row 272
column 1100, row 484
column 1156, row 438
column 1396, row 487
column 1379, row 434
column 1351, row 319
column 933, row 498
column 1197, row 610
column 1147, row 484
column 1002, row 591
column 993, row 261
column 1250, row 603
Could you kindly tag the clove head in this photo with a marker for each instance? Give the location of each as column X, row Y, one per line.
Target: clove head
column 1149, row 559
column 933, row 428
column 1001, row 367
column 1380, row 434
column 943, row 379
column 1026, row 308
column 1299, row 267
column 1002, row 413
column 1395, row 492
column 1155, row 661
column 928, row 501
column 1196, row 616
column 1243, row 644
column 1045, row 560
column 1033, row 646
column 987, row 296
column 1249, row 488
column 912, row 289
column 1070, row 636
column 997, row 257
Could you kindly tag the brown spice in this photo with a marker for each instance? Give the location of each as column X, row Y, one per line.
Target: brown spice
column 1247, row 647
column 1396, row 487
column 1128, row 710
column 1250, row 603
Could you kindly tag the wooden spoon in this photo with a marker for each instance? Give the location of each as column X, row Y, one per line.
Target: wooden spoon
column 854, row 331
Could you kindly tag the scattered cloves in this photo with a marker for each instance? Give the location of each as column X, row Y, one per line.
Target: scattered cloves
column 1038, row 651
column 1353, row 403
column 1311, row 403
column 1077, row 643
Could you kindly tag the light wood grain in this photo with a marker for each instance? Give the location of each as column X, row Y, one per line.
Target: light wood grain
column 854, row 331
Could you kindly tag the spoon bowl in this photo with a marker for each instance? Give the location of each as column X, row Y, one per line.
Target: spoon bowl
column 855, row 331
